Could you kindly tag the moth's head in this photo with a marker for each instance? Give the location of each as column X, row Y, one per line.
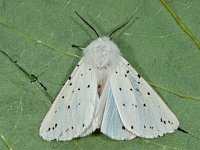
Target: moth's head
column 102, row 45
column 102, row 52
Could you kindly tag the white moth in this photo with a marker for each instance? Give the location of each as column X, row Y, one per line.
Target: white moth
column 104, row 92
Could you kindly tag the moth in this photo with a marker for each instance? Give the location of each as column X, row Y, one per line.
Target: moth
column 104, row 92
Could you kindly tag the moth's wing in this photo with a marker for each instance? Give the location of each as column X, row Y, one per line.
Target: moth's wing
column 73, row 109
column 141, row 109
column 111, row 123
column 99, row 110
column 95, row 123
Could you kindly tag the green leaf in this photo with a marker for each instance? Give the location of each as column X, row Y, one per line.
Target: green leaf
column 35, row 52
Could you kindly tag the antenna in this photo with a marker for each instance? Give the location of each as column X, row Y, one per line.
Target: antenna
column 87, row 24
column 111, row 34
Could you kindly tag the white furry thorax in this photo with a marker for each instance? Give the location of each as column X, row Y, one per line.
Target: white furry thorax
column 102, row 53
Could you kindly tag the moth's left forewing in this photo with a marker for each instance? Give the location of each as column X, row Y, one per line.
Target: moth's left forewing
column 72, row 112
column 141, row 109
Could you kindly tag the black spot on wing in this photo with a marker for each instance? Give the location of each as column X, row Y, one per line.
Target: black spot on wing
column 134, row 105
column 137, row 90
